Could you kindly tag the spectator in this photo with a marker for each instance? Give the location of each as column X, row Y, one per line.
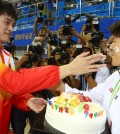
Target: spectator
column 19, row 117
column 41, row 37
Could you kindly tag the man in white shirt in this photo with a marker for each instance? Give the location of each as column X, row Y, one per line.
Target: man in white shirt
column 107, row 94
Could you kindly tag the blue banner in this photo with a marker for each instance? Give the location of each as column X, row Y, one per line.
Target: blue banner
column 23, row 37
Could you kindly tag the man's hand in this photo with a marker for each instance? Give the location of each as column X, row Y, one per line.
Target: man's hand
column 36, row 104
column 82, row 64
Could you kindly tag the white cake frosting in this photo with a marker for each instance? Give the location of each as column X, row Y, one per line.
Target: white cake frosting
column 71, row 116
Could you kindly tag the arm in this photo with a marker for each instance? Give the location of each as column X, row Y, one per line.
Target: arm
column 91, row 82
column 74, row 83
column 27, row 102
column 19, row 63
column 80, row 37
column 28, row 80
column 35, row 79
column 49, row 50
column 35, row 27
column 47, row 29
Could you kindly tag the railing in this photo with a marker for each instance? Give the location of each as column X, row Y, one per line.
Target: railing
column 27, row 14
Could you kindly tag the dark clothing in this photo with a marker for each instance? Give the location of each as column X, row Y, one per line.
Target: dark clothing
column 18, row 119
column 40, row 9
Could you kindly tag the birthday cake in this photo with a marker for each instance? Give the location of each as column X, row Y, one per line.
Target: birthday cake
column 75, row 114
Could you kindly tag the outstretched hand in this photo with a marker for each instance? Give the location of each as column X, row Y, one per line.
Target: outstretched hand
column 83, row 63
column 36, row 104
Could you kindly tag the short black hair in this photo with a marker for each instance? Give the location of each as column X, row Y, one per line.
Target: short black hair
column 42, row 28
column 8, row 8
column 115, row 29
column 56, row 51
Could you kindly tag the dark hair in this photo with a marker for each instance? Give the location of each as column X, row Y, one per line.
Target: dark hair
column 8, row 8
column 55, row 51
column 115, row 29
column 42, row 28
column 87, row 49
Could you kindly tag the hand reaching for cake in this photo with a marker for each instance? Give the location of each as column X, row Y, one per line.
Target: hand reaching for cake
column 82, row 64
column 36, row 104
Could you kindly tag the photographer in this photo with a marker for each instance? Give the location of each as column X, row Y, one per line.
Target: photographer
column 31, row 59
column 94, row 36
column 53, row 40
column 67, row 31
column 42, row 32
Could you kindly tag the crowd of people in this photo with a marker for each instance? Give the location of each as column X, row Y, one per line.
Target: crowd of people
column 55, row 63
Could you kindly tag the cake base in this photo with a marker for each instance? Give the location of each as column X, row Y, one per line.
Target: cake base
column 78, row 123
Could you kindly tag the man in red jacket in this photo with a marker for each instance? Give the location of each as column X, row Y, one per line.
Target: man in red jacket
column 15, row 85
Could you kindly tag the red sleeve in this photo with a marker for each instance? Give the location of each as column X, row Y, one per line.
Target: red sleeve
column 28, row 80
column 20, row 101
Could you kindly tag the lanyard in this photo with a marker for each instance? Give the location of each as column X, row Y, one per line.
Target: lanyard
column 114, row 92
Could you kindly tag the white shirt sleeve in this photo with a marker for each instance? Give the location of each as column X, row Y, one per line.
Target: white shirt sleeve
column 102, row 75
column 96, row 94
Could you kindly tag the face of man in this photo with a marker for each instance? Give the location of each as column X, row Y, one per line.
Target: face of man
column 115, row 51
column 6, row 28
column 57, row 55
column 42, row 33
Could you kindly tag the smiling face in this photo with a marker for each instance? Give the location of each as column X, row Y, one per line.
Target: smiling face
column 6, row 27
column 115, row 51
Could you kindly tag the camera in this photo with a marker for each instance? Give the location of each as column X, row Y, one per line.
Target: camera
column 65, row 57
column 34, row 51
column 88, row 24
column 92, row 23
column 52, row 39
column 97, row 36
column 79, row 50
column 10, row 47
column 64, row 45
column 51, row 61
column 68, row 26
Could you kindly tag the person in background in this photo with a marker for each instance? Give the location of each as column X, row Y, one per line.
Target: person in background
column 18, row 116
column 40, row 37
